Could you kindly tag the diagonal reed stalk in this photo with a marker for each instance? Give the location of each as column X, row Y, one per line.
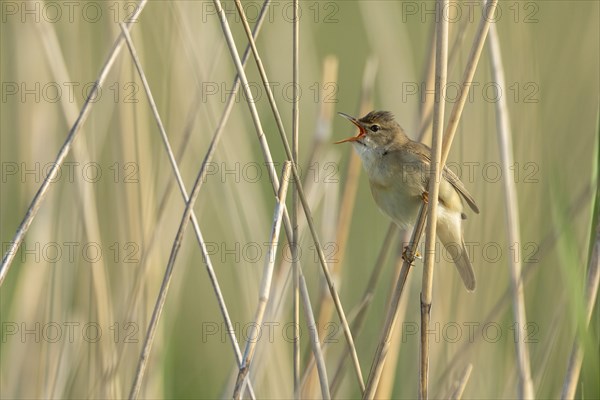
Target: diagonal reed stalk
column 427, row 106
column 289, row 155
column 267, row 279
column 441, row 76
column 136, row 386
column 80, row 369
column 525, row 389
column 467, row 80
column 39, row 197
column 383, row 347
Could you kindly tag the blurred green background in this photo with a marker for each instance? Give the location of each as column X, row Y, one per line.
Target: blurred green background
column 78, row 297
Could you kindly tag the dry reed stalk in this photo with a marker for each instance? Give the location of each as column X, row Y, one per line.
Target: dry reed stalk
column 441, row 76
column 525, row 390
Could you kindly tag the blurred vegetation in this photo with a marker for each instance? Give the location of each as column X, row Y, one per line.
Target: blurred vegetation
column 58, row 284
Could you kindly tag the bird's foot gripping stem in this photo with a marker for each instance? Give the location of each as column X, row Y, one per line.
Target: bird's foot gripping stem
column 409, row 256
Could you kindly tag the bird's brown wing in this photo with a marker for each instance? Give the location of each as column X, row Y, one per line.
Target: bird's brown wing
column 458, row 185
column 423, row 152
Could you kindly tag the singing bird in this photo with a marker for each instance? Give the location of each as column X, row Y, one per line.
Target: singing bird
column 398, row 171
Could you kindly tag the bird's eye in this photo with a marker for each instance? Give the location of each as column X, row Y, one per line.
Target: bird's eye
column 374, row 128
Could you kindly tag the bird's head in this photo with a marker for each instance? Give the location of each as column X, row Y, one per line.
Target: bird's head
column 376, row 129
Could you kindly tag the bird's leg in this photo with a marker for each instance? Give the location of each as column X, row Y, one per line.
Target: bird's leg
column 407, row 254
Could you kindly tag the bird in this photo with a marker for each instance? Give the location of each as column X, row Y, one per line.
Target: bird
column 398, row 170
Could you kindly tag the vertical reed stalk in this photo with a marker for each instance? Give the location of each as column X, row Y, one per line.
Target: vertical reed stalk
column 441, row 71
column 525, row 388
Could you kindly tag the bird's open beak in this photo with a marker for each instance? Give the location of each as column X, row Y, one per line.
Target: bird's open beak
column 362, row 132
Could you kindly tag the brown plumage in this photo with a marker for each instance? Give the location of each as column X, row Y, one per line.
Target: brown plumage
column 398, row 171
